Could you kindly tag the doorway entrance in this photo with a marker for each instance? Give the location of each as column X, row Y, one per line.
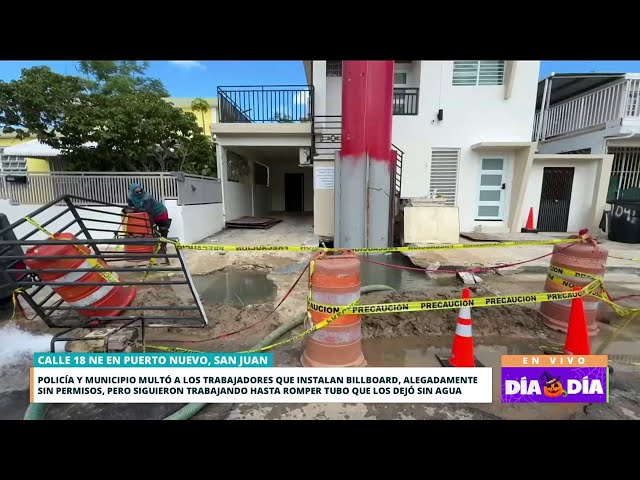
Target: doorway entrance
column 555, row 199
column 294, row 192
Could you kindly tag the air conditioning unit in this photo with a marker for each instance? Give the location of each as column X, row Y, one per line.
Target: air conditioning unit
column 305, row 156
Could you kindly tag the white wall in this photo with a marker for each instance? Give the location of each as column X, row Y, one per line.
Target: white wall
column 199, row 221
column 592, row 140
column 16, row 212
column 277, row 169
column 584, row 178
column 189, row 223
column 236, row 196
column 471, row 115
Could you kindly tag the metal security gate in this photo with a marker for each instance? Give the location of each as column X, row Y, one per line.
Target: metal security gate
column 555, row 199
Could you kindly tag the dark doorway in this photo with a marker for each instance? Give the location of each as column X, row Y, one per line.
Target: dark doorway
column 555, row 199
column 294, row 192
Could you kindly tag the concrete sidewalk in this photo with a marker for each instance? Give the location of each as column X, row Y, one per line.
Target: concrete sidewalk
column 620, row 255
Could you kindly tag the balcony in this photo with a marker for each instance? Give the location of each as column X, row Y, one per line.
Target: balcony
column 405, row 101
column 265, row 104
column 617, row 101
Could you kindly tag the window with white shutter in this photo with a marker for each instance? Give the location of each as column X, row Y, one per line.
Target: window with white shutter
column 443, row 181
column 478, row 72
column 12, row 165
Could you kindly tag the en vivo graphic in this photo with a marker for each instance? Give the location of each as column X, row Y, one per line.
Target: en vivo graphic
column 555, row 379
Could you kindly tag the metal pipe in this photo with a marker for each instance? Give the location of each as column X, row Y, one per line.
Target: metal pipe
column 378, row 127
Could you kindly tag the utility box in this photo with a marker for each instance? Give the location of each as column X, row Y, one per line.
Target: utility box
column 323, row 197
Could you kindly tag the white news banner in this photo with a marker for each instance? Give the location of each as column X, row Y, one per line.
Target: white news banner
column 261, row 385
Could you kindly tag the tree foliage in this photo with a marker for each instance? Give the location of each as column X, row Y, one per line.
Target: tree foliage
column 115, row 119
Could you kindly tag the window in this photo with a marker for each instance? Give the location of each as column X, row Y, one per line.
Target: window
column 334, row 68
column 238, row 169
column 443, row 181
column 400, row 78
column 12, row 164
column 478, row 72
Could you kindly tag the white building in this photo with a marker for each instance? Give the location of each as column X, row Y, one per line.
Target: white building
column 593, row 113
column 463, row 129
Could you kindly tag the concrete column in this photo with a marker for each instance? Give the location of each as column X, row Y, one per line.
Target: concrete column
column 363, row 173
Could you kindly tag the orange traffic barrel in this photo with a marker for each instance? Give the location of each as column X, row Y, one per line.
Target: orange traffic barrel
column 335, row 280
column 588, row 258
column 79, row 295
column 138, row 225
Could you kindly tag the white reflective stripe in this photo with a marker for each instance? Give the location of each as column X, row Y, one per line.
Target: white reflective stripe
column 463, row 330
column 335, row 299
column 74, row 276
column 93, row 297
column 465, row 312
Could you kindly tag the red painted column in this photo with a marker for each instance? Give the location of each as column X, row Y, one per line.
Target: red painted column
column 365, row 165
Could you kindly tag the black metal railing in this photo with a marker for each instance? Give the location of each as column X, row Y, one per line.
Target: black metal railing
column 405, row 101
column 265, row 104
column 100, row 244
column 398, row 175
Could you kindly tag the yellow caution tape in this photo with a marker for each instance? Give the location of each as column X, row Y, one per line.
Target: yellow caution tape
column 275, row 248
column 428, row 305
column 571, row 273
column 109, row 276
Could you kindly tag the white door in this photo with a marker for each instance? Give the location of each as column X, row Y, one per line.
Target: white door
column 492, row 188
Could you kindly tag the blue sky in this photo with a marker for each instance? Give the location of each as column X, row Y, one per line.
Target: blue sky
column 201, row 78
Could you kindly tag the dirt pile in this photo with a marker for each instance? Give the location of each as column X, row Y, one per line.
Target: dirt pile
column 506, row 321
column 223, row 320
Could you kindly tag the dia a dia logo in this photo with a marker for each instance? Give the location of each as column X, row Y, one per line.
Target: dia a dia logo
column 551, row 386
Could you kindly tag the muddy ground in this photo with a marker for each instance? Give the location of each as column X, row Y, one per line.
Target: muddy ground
column 406, row 339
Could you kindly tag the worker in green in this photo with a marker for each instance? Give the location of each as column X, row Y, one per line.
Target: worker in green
column 141, row 201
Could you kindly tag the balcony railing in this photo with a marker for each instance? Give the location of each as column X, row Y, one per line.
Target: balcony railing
column 40, row 188
column 265, row 104
column 405, row 101
column 620, row 100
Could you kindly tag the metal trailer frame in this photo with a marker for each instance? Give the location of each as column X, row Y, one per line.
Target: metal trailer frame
column 54, row 311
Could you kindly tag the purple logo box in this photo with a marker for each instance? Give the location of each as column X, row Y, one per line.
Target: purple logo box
column 555, row 379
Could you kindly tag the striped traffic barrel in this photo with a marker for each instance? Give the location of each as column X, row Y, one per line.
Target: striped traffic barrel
column 138, row 225
column 77, row 294
column 573, row 265
column 334, row 280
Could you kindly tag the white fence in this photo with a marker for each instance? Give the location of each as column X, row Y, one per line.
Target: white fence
column 38, row 188
column 593, row 108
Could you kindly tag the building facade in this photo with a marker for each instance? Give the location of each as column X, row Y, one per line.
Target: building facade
column 589, row 113
column 462, row 129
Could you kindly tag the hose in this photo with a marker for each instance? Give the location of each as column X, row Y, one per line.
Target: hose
column 37, row 411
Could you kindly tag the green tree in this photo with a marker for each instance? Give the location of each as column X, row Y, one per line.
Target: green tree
column 116, row 119
column 202, row 106
column 110, row 77
column 39, row 102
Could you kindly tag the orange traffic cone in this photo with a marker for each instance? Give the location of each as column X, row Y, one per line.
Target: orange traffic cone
column 462, row 351
column 529, row 228
column 577, row 342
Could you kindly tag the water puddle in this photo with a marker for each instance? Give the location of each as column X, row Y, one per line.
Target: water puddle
column 235, row 287
column 399, row 278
